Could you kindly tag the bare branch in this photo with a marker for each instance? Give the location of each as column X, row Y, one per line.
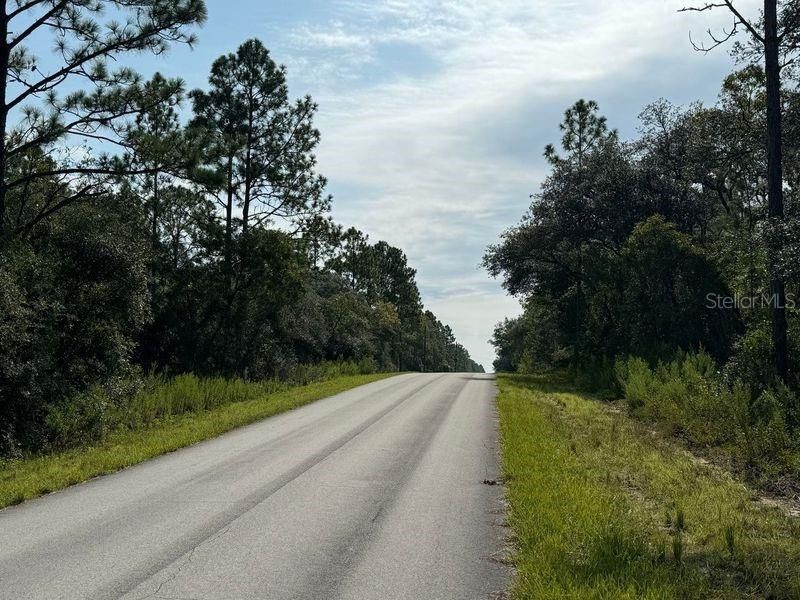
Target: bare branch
column 717, row 41
column 739, row 19
column 701, row 8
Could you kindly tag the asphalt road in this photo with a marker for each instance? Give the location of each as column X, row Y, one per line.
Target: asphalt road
column 377, row 493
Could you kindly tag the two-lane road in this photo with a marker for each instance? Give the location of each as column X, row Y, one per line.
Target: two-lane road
column 376, row 493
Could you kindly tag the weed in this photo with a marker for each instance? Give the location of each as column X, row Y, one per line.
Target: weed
column 180, row 413
column 591, row 523
column 730, row 540
column 677, row 549
column 680, row 520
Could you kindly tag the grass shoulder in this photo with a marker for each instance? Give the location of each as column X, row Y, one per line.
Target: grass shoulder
column 27, row 478
column 602, row 507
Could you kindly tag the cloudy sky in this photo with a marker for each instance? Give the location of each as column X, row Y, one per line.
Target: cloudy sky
column 435, row 113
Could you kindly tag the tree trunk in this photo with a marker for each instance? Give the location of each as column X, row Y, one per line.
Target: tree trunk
column 4, row 55
column 577, row 349
column 154, row 223
column 154, row 239
column 248, row 184
column 775, row 182
column 229, row 220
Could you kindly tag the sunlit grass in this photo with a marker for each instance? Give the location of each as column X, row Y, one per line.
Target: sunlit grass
column 185, row 411
column 603, row 508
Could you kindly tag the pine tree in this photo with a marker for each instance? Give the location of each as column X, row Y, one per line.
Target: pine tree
column 54, row 119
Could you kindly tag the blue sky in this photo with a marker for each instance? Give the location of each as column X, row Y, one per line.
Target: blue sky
column 434, row 113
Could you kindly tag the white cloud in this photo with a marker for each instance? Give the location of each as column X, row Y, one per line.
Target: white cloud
column 419, row 154
column 333, row 36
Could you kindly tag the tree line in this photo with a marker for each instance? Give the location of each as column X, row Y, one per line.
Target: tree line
column 147, row 228
column 684, row 238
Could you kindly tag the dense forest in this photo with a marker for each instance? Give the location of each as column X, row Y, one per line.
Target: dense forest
column 666, row 266
column 147, row 229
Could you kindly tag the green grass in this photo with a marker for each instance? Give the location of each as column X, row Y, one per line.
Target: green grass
column 28, row 478
column 601, row 507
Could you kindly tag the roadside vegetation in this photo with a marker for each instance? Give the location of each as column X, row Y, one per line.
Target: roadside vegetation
column 160, row 417
column 665, row 268
column 754, row 434
column 148, row 232
column 603, row 507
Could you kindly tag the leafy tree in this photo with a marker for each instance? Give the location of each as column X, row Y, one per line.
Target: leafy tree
column 774, row 39
column 597, row 260
column 670, row 295
column 72, row 303
column 173, row 249
column 55, row 113
column 583, row 214
column 584, row 130
column 263, row 145
column 392, row 280
column 158, row 148
column 321, row 238
column 353, row 260
column 510, row 341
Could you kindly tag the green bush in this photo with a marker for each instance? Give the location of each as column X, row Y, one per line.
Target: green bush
column 139, row 402
column 85, row 419
column 691, row 398
column 92, row 415
column 71, row 303
column 636, row 381
column 766, row 440
column 752, row 361
column 305, row 374
column 598, row 376
column 188, row 393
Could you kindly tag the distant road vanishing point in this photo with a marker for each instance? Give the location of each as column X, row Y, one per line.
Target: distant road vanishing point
column 377, row 493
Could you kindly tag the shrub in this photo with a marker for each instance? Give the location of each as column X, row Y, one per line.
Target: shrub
column 636, row 381
column 765, row 439
column 137, row 402
column 691, row 398
column 305, row 374
column 82, row 420
column 752, row 361
column 664, row 281
column 71, row 302
column 598, row 376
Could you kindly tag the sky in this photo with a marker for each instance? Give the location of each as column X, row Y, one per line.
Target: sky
column 434, row 113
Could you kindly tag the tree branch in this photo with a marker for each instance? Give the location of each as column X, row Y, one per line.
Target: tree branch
column 750, row 27
column 78, row 171
column 106, row 48
column 717, row 42
column 44, row 213
column 24, row 7
column 739, row 20
column 36, row 24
